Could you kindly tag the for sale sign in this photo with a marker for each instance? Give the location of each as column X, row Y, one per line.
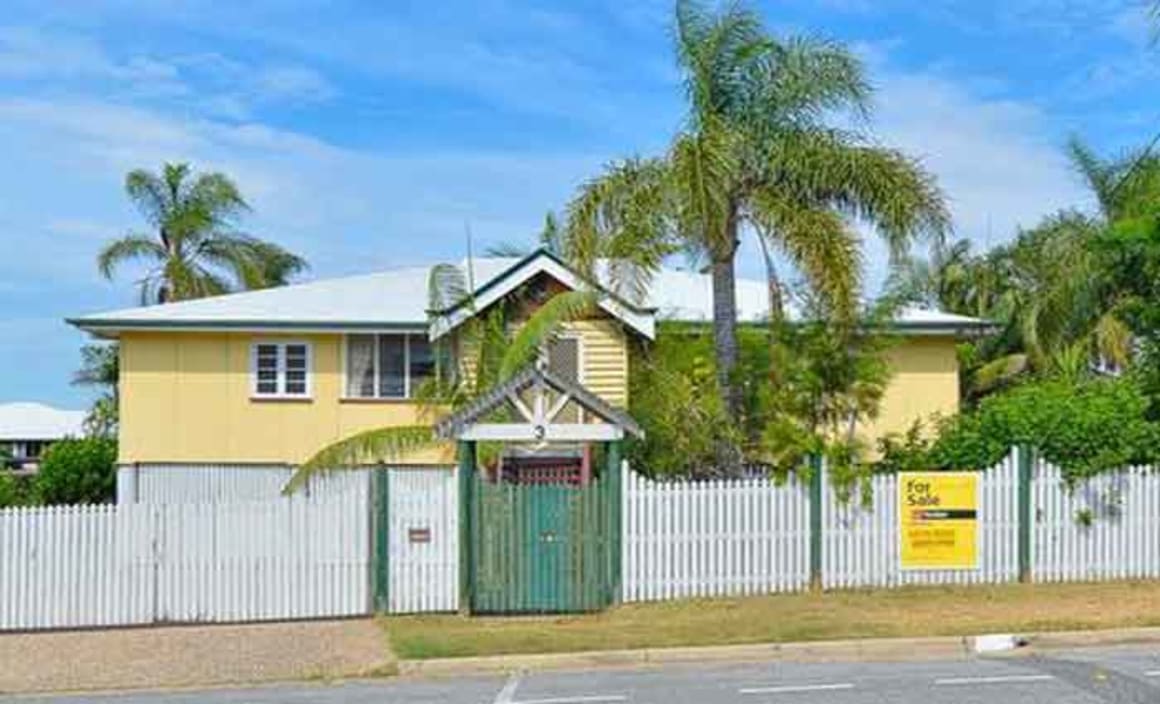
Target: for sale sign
column 938, row 520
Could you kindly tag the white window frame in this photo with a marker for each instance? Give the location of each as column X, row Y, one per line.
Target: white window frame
column 377, row 395
column 280, row 371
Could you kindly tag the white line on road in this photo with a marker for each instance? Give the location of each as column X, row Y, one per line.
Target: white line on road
column 1152, row 673
column 508, row 692
column 789, row 689
column 950, row 681
column 593, row 699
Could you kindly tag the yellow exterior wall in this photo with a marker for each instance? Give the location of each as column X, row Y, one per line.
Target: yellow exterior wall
column 185, row 397
column 925, row 382
column 604, row 358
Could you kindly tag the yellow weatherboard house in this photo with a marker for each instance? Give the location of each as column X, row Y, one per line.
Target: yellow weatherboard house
column 271, row 376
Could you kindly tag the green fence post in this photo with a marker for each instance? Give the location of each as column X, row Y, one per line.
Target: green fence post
column 1025, row 456
column 381, row 505
column 613, row 545
column 816, row 480
column 466, row 530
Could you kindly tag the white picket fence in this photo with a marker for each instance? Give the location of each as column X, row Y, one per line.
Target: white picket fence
column 734, row 537
column 422, row 515
column 80, row 566
column 1107, row 527
column 223, row 483
column 712, row 538
column 861, row 546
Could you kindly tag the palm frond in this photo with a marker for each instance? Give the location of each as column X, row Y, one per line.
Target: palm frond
column 377, row 445
column 1113, row 340
column 997, row 372
column 539, row 329
column 446, row 287
column 703, row 169
column 624, row 215
column 819, row 243
column 149, row 194
column 803, row 79
column 1098, row 174
column 126, row 249
column 880, row 186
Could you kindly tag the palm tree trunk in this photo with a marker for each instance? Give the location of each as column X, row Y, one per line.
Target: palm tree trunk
column 725, row 331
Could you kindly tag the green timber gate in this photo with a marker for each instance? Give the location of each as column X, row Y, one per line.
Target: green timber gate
column 544, row 548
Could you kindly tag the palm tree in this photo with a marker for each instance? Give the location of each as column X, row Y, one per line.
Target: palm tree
column 757, row 154
column 100, row 365
column 494, row 346
column 195, row 250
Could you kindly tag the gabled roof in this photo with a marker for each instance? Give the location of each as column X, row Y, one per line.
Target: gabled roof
column 397, row 300
column 524, row 270
column 36, row 421
column 533, row 375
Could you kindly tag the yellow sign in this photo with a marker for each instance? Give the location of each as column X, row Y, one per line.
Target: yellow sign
column 938, row 522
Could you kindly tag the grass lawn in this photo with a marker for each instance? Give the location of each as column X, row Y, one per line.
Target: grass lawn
column 911, row 611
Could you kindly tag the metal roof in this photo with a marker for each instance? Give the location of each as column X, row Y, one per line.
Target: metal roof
column 36, row 421
column 397, row 299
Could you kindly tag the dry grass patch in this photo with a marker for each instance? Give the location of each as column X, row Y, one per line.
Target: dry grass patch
column 910, row 611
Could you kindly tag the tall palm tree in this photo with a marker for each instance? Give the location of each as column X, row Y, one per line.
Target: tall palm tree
column 758, row 154
column 195, row 250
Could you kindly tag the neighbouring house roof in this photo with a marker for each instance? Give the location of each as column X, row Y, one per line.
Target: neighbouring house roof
column 397, row 300
column 36, row 421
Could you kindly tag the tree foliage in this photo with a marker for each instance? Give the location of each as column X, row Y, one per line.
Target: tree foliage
column 194, row 248
column 78, row 471
column 1088, row 427
column 758, row 153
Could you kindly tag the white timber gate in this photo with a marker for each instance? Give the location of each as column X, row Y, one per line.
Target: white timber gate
column 423, row 536
column 87, row 566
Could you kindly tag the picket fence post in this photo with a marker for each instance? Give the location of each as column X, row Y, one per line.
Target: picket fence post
column 816, row 539
column 380, row 504
column 1026, row 459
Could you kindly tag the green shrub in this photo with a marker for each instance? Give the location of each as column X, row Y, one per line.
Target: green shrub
column 1086, row 428
column 14, row 491
column 81, row 471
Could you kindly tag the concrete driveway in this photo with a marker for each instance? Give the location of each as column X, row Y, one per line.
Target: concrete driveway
column 188, row 656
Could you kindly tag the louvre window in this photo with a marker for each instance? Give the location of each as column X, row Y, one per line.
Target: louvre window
column 280, row 369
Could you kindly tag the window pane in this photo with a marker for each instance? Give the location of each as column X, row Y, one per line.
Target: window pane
column 296, row 363
column 422, row 362
column 266, row 357
column 392, row 366
column 360, row 366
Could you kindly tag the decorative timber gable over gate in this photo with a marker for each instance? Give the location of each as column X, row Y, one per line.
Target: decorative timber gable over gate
column 539, row 547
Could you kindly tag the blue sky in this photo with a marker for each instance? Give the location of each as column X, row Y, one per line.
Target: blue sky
column 367, row 134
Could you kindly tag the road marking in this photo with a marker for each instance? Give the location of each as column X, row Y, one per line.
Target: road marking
column 593, row 699
column 508, row 692
column 1152, row 673
column 790, row 689
column 950, row 681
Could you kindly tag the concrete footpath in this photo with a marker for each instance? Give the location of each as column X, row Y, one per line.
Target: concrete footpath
column 191, row 656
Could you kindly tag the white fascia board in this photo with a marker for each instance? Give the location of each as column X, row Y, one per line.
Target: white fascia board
column 552, row 432
column 643, row 323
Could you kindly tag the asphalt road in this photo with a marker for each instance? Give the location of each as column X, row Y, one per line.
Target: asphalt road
column 1121, row 676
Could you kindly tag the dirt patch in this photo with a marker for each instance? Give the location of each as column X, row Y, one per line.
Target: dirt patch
column 904, row 612
column 186, row 656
